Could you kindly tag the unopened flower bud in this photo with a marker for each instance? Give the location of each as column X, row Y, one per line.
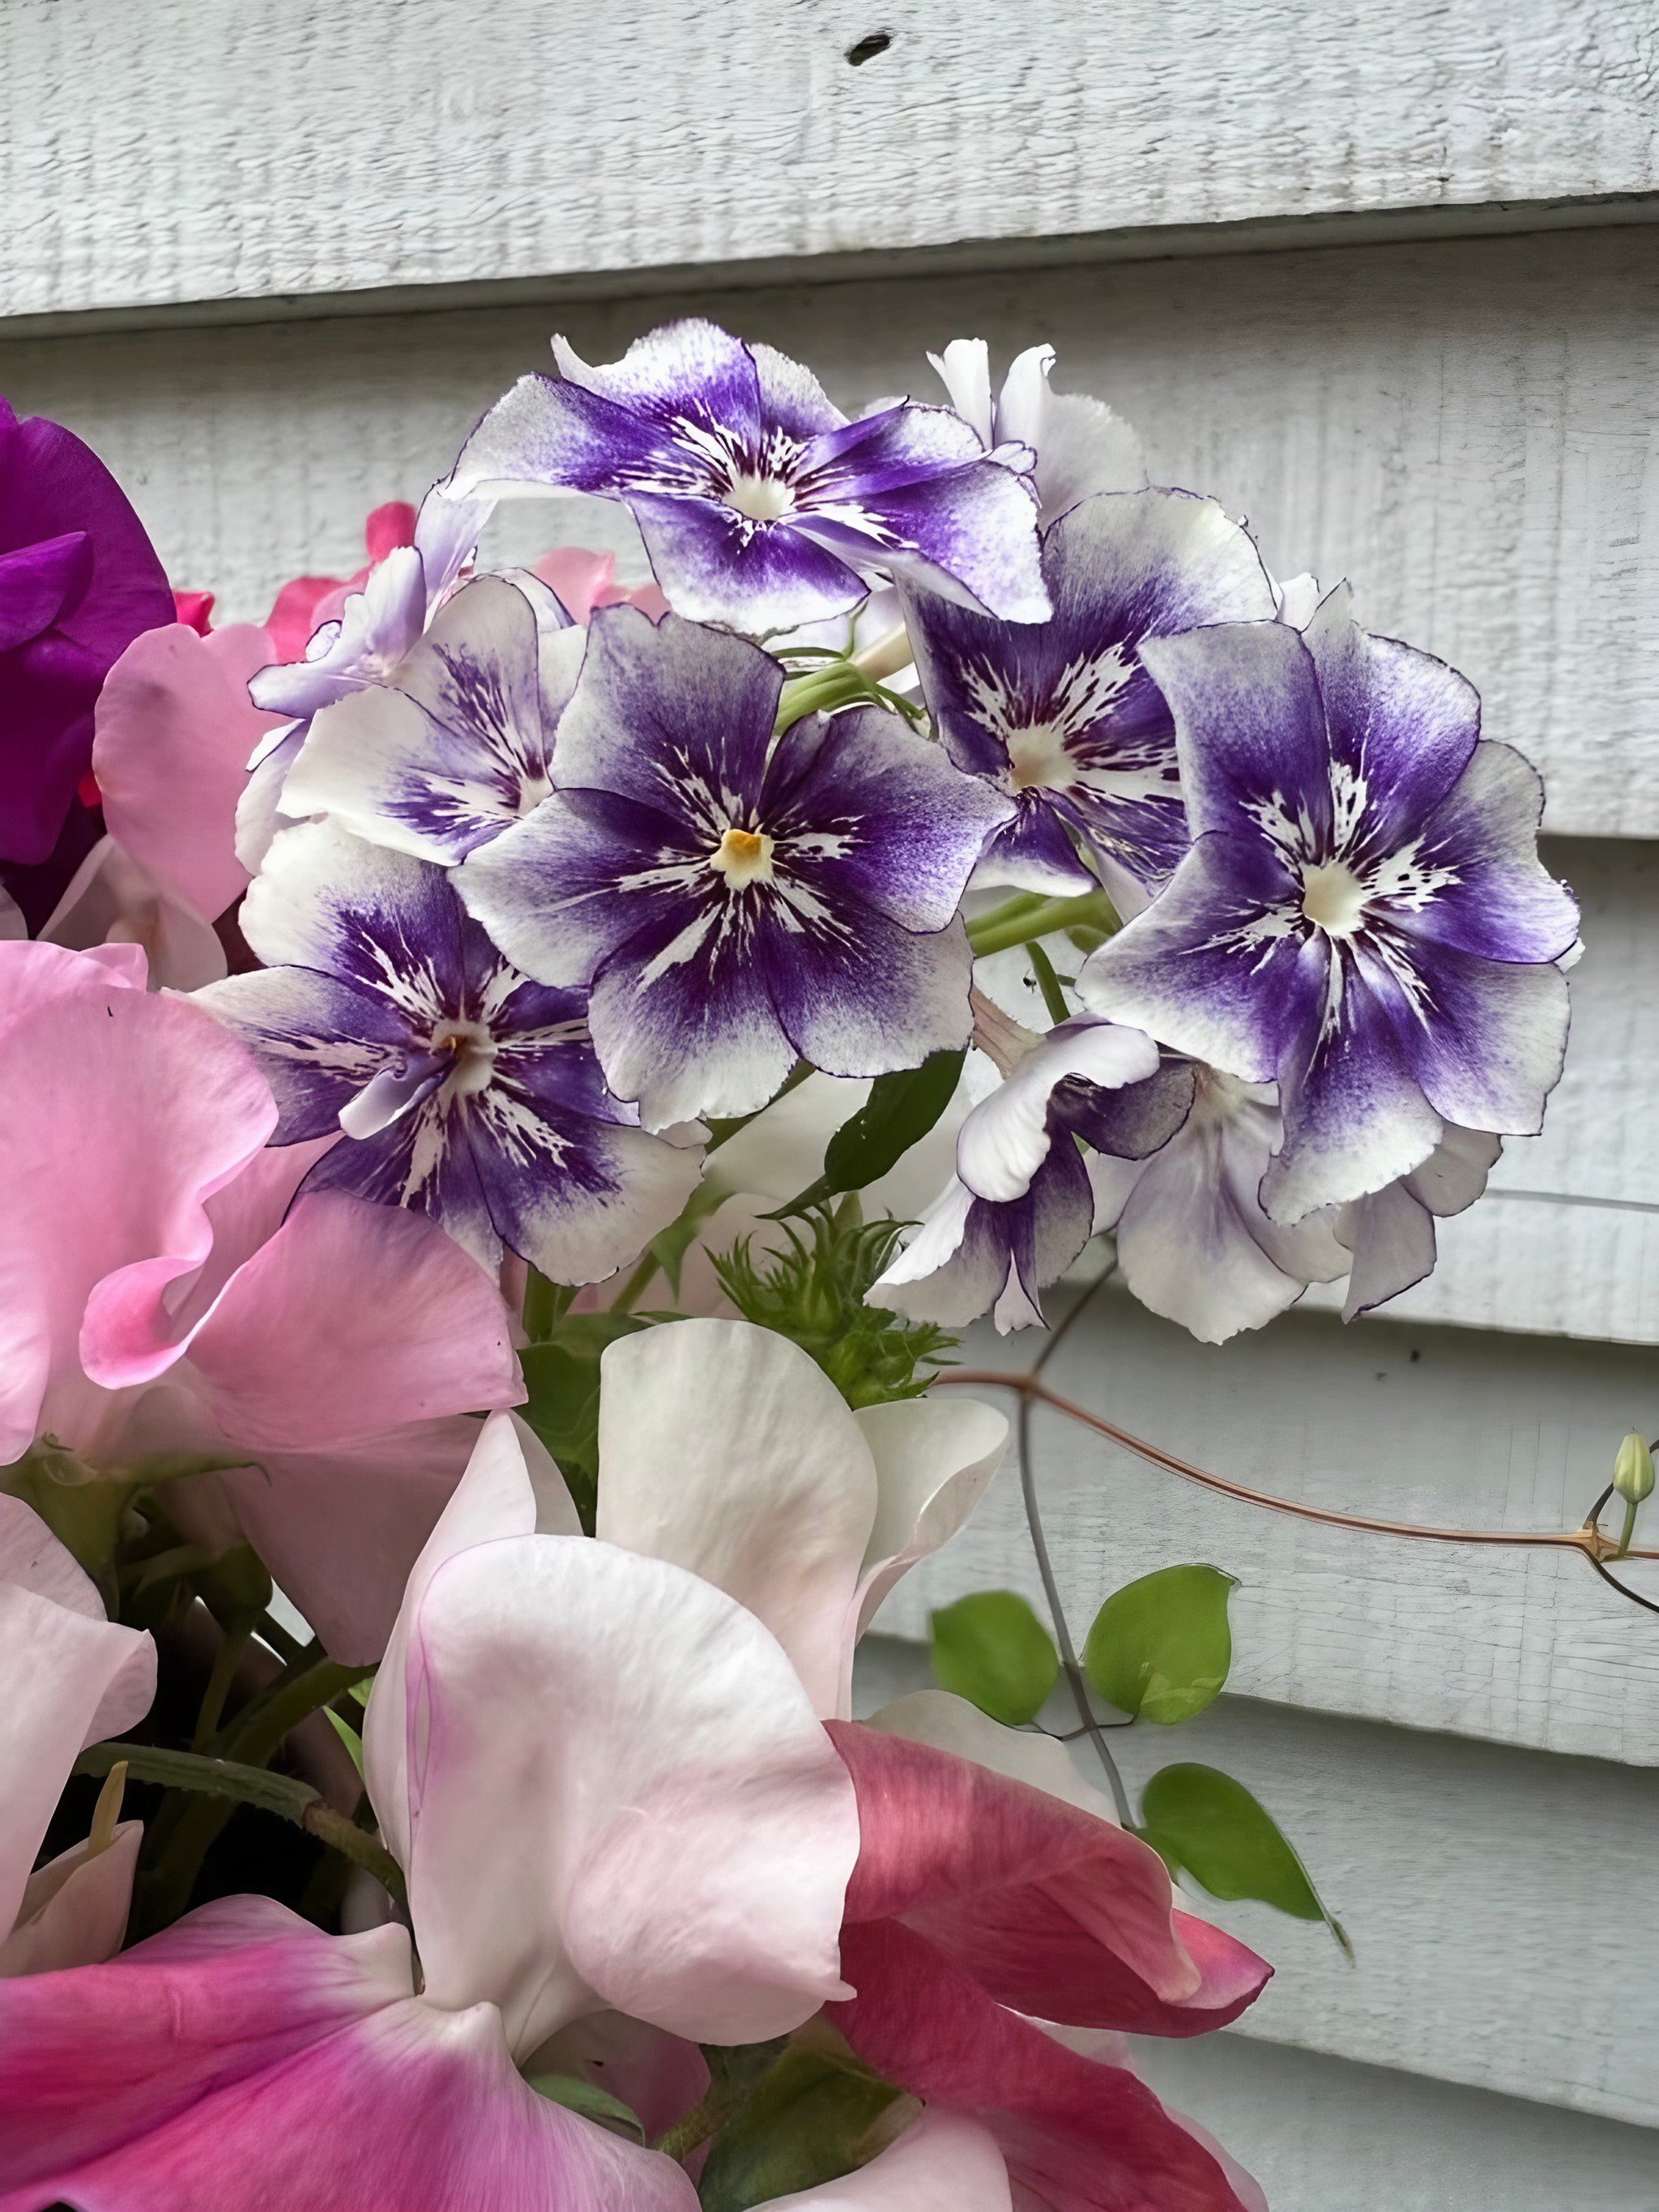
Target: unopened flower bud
column 1632, row 1471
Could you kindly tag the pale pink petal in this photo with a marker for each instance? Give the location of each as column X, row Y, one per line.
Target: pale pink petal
column 352, row 1319
column 631, row 1755
column 726, row 1449
column 120, row 1113
column 581, row 579
column 31, row 1557
column 1076, row 2135
column 175, row 728
column 945, row 2162
column 74, row 1911
column 934, row 1458
column 659, row 2076
column 114, row 899
column 510, row 1487
column 1053, row 1910
column 67, row 1679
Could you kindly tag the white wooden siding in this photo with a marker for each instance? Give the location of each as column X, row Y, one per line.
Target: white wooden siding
column 1464, row 422
column 166, row 151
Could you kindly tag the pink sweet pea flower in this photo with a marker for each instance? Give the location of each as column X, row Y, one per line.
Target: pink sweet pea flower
column 581, row 581
column 304, row 603
column 175, row 730
column 72, row 1678
column 159, row 1299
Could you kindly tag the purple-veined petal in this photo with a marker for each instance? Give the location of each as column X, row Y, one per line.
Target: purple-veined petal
column 716, row 564
column 1007, row 1136
column 994, row 1258
column 856, row 994
column 1215, row 966
column 1033, row 853
column 791, row 398
column 319, row 1042
column 1471, row 878
column 1250, row 734
column 1485, row 1038
column 1391, row 1234
column 689, row 373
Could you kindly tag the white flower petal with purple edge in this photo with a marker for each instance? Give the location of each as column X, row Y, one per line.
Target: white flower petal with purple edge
column 1391, row 1234
column 1062, row 715
column 735, row 904
column 1081, row 447
column 760, row 505
column 455, row 746
column 462, row 1088
column 1363, row 917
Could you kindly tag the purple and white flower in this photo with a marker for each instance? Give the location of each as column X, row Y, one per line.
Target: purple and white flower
column 455, row 745
column 1192, row 1242
column 364, row 646
column 1363, row 917
column 1390, row 1235
column 1062, row 715
column 464, row 1090
column 735, row 901
column 761, row 506
column 1081, row 446
column 1020, row 1207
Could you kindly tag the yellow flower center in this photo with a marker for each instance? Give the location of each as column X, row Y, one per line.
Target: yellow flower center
column 743, row 856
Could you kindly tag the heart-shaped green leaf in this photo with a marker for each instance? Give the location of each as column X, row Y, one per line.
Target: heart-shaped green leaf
column 1201, row 1820
column 901, row 1110
column 1160, row 1647
column 992, row 1650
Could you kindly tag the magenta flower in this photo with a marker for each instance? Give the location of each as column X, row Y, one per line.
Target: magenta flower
column 79, row 581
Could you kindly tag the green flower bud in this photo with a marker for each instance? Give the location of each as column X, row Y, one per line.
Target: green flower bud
column 1632, row 1471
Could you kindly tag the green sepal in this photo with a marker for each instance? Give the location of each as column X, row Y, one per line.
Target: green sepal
column 1160, row 1647
column 591, row 2101
column 991, row 1649
column 810, row 2121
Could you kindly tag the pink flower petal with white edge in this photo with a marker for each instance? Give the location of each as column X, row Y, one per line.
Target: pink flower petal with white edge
column 74, row 1908
column 726, row 1449
column 934, row 1460
column 175, row 727
column 120, row 1113
column 1077, row 2135
column 951, row 1724
column 354, row 1318
column 1052, row 1910
column 510, row 1487
column 634, row 1757
column 945, row 2162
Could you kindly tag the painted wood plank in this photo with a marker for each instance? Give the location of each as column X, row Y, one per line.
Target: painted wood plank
column 1445, row 1427
column 247, row 149
column 1323, row 2133
column 1498, row 1902
column 1465, row 429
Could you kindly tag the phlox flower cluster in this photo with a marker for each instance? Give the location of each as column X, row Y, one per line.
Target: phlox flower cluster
column 407, row 1006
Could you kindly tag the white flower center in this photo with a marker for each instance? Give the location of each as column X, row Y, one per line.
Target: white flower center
column 474, row 1050
column 743, row 856
column 761, row 499
column 1333, row 897
column 1037, row 758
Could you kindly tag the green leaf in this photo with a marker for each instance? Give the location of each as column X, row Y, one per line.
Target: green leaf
column 219, row 1778
column 899, row 1112
column 810, row 2121
column 1204, row 1821
column 348, row 1736
column 992, row 1650
column 591, row 2101
column 1160, row 1647
column 563, row 1379
column 669, row 1245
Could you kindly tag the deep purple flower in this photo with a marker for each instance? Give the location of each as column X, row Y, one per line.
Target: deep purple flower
column 79, row 581
column 1363, row 917
column 761, row 506
column 1022, row 1206
column 464, row 1090
column 1061, row 715
column 732, row 901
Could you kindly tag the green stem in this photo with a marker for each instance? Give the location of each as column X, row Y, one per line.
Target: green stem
column 544, row 1304
column 636, row 1284
column 996, row 932
column 836, row 685
column 703, row 2120
column 1047, row 982
column 226, row 1662
column 1629, row 1529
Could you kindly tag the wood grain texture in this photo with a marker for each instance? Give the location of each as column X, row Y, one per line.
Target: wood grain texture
column 246, row 148
column 1325, row 2134
column 1441, row 1427
column 1498, row 1903
column 1467, row 430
